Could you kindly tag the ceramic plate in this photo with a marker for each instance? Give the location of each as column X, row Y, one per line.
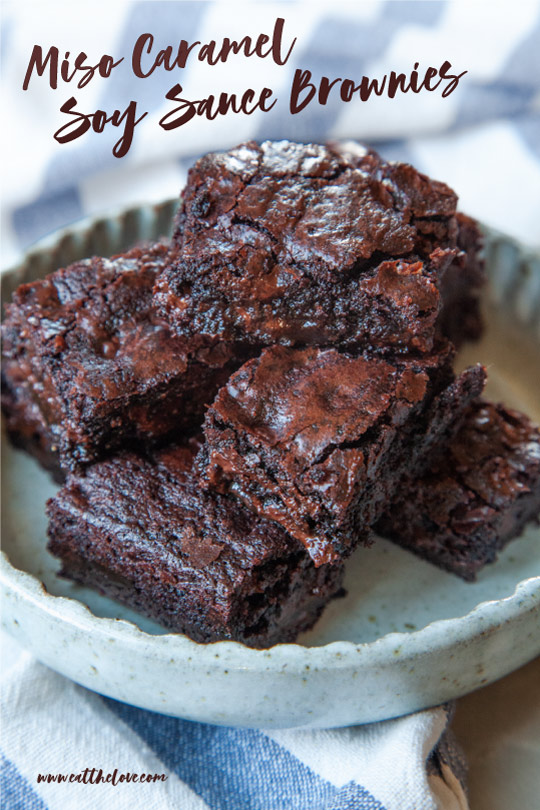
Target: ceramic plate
column 406, row 636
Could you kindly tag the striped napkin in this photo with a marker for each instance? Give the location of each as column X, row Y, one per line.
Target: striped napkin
column 66, row 748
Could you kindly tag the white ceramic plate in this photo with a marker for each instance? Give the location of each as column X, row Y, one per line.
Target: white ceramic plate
column 406, row 636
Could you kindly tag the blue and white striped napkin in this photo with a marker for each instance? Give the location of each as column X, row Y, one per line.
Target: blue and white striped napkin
column 484, row 140
column 54, row 730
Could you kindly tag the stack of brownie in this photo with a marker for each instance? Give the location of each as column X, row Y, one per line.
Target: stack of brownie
column 236, row 410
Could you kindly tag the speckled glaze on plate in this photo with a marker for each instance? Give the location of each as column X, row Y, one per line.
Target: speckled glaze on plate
column 407, row 636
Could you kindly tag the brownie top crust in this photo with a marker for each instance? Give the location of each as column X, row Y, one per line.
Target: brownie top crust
column 326, row 207
column 303, row 244
column 308, row 401
column 494, row 459
column 91, row 327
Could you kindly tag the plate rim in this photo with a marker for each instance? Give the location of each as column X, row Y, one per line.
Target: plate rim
column 485, row 617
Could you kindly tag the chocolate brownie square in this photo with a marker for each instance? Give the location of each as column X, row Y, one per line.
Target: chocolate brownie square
column 301, row 244
column 141, row 531
column 475, row 497
column 89, row 366
column 319, row 440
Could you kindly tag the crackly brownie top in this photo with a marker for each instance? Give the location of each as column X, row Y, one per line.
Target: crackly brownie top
column 315, row 205
column 308, row 401
column 494, row 459
column 93, row 326
column 303, row 244
column 157, row 506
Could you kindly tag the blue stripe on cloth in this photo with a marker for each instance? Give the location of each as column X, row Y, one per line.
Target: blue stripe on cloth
column 354, row 797
column 238, row 769
column 512, row 93
column 523, row 65
column 6, row 38
column 15, row 791
column 528, row 128
column 168, row 21
column 161, row 18
column 498, row 99
column 46, row 214
column 344, row 48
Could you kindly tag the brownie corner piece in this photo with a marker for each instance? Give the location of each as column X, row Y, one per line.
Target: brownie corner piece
column 318, row 440
column 88, row 366
column 475, row 497
column 141, row 531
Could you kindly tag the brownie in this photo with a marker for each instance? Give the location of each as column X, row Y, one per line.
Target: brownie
column 89, row 366
column 318, row 440
column 302, row 244
column 460, row 318
column 474, row 498
column 141, row 531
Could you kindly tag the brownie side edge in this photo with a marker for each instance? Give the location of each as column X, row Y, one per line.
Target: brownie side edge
column 198, row 565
